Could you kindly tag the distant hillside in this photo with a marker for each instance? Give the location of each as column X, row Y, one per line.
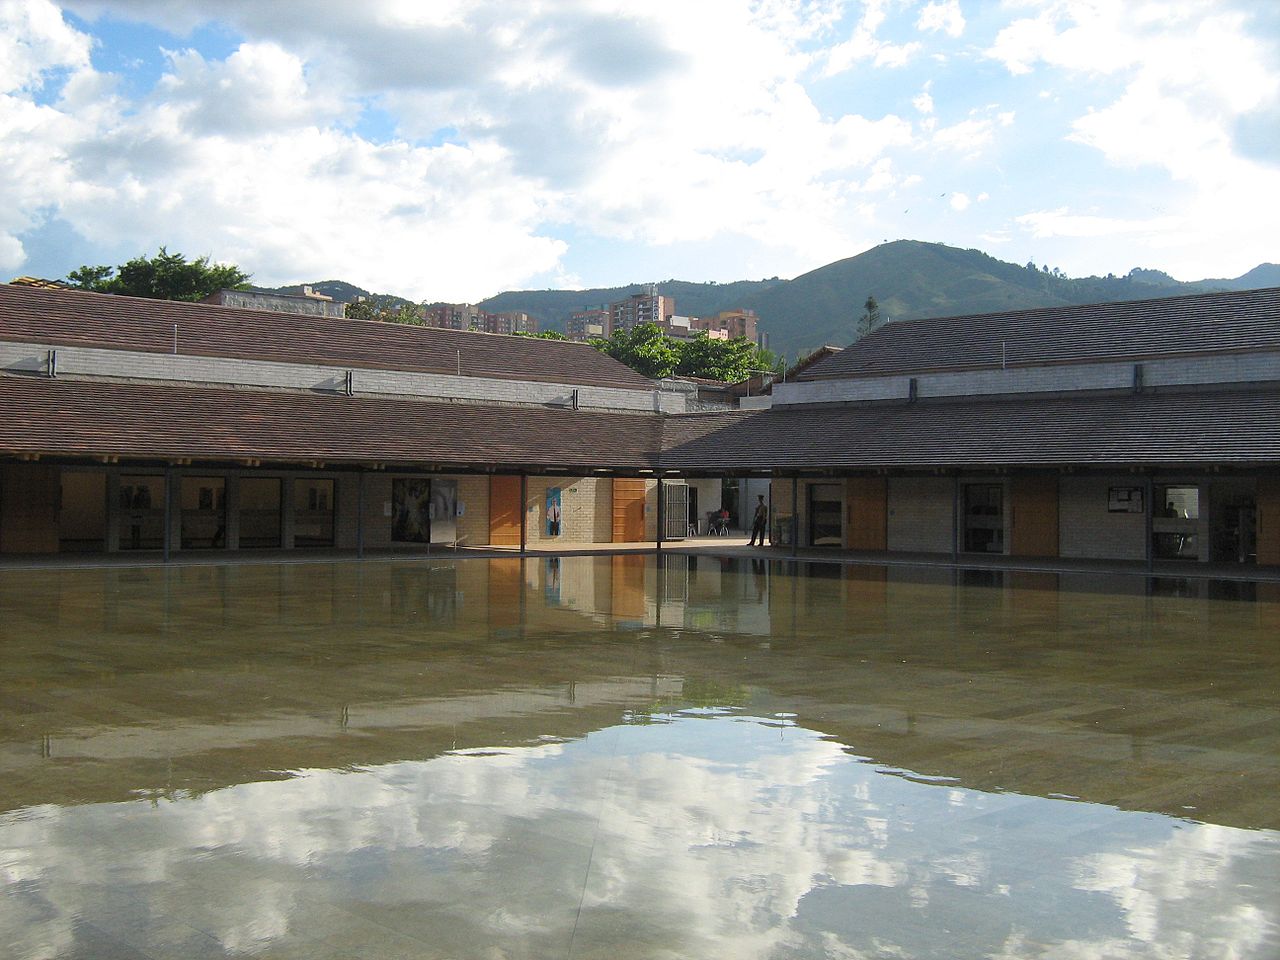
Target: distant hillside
column 343, row 291
column 909, row 279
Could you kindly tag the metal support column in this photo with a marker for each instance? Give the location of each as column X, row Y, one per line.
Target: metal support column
column 360, row 515
column 795, row 516
column 1151, row 513
column 524, row 513
column 167, row 539
column 957, row 518
column 662, row 513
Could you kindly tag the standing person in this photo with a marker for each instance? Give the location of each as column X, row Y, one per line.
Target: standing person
column 761, row 521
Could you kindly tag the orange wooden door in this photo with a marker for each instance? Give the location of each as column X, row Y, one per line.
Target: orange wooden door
column 504, row 511
column 1033, row 521
column 628, row 511
column 868, row 509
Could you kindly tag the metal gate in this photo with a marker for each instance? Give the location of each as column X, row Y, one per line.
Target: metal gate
column 675, row 511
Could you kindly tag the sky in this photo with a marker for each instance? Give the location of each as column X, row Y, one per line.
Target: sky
column 453, row 149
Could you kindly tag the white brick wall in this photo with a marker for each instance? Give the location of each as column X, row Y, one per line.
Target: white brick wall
column 131, row 365
column 1246, row 368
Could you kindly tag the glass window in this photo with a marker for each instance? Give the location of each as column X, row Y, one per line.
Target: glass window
column 141, row 512
column 314, row 503
column 203, row 502
column 259, row 512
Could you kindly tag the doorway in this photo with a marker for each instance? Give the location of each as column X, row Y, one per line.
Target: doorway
column 984, row 518
column 826, row 513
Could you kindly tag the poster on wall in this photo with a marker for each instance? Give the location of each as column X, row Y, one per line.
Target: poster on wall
column 553, row 511
column 1125, row 500
column 411, row 511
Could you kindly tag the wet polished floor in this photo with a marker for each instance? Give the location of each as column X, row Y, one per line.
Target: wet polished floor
column 601, row 757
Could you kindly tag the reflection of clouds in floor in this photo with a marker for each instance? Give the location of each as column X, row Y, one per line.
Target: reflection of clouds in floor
column 1197, row 869
column 710, row 835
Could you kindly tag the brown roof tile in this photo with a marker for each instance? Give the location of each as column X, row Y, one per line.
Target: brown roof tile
column 90, row 418
column 1129, row 429
column 1135, row 330
column 73, row 317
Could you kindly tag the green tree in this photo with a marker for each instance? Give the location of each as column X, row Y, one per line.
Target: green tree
column 644, row 348
column 390, row 312
column 870, row 319
column 166, row 276
column 544, row 335
column 729, row 361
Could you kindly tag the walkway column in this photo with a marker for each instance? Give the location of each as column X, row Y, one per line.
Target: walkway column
column 1151, row 512
column 167, row 539
column 524, row 513
column 795, row 516
column 360, row 514
column 662, row 514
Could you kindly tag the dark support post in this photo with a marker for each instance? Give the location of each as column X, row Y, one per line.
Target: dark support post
column 167, row 539
column 360, row 515
column 956, row 519
column 795, row 516
column 1151, row 513
column 524, row 513
column 662, row 513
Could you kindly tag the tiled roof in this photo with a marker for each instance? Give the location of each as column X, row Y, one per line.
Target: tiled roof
column 1093, row 430
column 68, row 417
column 73, row 317
column 1136, row 330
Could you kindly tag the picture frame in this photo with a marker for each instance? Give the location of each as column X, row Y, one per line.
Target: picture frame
column 1126, row 500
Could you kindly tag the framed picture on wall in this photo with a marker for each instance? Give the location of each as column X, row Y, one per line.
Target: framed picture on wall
column 1125, row 500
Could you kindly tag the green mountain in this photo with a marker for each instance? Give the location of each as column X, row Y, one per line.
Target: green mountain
column 910, row 279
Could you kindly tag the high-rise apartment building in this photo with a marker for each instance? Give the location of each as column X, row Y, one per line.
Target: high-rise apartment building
column 589, row 324
column 648, row 306
column 467, row 316
column 731, row 324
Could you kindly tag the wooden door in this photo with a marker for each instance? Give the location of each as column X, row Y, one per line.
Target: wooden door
column 1033, row 518
column 1269, row 520
column 505, row 511
column 628, row 510
column 29, row 496
column 867, row 524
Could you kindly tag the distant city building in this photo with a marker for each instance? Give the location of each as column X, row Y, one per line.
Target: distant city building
column 511, row 321
column 589, row 324
column 730, row 324
column 308, row 303
column 648, row 306
column 468, row 316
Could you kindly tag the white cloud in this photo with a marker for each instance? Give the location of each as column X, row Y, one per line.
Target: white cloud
column 923, row 101
column 942, row 15
column 960, row 202
column 631, row 125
